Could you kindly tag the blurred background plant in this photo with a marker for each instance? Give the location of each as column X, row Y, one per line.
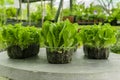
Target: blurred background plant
column 48, row 13
column 116, row 48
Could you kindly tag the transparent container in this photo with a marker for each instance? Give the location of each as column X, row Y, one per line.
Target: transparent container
column 96, row 53
column 59, row 55
column 15, row 52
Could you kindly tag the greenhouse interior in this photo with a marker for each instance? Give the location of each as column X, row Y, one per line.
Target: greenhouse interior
column 59, row 39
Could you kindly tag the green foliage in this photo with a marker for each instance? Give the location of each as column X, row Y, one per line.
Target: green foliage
column 97, row 11
column 37, row 15
column 2, row 2
column 98, row 35
column 79, row 10
column 66, row 12
column 11, row 12
column 21, row 36
column 115, row 13
column 116, row 48
column 88, row 13
column 50, row 13
column 61, row 34
column 1, row 15
column 10, row 1
column 2, row 43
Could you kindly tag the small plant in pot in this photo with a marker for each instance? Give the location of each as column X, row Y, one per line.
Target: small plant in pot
column 22, row 42
column 97, row 39
column 60, row 40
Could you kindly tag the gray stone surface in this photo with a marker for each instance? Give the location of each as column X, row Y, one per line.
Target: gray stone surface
column 37, row 68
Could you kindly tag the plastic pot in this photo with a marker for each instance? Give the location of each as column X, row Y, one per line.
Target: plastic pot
column 59, row 55
column 15, row 52
column 70, row 18
column 96, row 53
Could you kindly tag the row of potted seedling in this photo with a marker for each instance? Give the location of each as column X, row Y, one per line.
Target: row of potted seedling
column 60, row 40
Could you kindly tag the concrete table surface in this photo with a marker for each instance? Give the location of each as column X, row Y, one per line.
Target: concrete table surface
column 37, row 68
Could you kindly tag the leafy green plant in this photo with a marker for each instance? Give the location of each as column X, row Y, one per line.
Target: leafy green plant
column 37, row 15
column 1, row 15
column 99, row 36
column 2, row 2
column 116, row 47
column 88, row 13
column 50, row 13
column 115, row 13
column 79, row 10
column 20, row 36
column 66, row 12
column 61, row 34
column 96, row 11
column 11, row 12
column 10, row 1
column 2, row 43
column 2, row 11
